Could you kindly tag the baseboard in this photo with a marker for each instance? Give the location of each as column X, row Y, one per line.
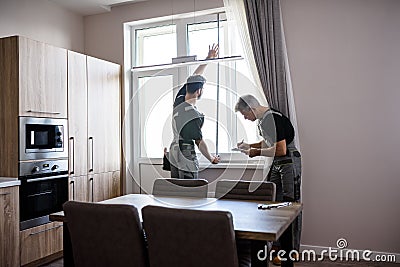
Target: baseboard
column 348, row 254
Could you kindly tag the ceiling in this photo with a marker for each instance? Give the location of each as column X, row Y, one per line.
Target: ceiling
column 91, row 7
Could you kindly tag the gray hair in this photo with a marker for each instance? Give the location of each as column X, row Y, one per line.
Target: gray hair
column 246, row 103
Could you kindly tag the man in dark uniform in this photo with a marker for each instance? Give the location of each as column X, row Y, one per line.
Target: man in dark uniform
column 187, row 122
column 278, row 135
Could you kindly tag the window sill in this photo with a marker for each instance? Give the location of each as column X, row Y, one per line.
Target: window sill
column 234, row 164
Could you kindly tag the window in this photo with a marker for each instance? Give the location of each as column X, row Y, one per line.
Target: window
column 158, row 43
column 148, row 42
column 154, row 121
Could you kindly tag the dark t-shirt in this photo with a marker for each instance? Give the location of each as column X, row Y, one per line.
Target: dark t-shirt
column 187, row 119
column 275, row 127
column 180, row 96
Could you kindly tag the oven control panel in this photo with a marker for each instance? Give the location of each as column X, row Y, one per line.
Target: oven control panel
column 42, row 167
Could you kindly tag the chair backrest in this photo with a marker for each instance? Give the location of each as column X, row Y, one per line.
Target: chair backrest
column 180, row 187
column 246, row 190
column 105, row 235
column 195, row 238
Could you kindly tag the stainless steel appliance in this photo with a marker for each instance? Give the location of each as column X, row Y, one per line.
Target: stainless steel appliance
column 42, row 138
column 43, row 190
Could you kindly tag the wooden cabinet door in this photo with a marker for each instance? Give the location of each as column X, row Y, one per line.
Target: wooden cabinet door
column 103, row 116
column 42, row 79
column 99, row 187
column 9, row 227
column 40, row 242
column 77, row 113
column 79, row 188
column 105, row 186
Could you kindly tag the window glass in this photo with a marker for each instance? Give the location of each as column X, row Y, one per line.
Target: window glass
column 201, row 35
column 226, row 81
column 156, row 100
column 231, row 75
column 149, row 42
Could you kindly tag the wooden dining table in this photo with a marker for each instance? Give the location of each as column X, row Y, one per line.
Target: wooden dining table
column 250, row 222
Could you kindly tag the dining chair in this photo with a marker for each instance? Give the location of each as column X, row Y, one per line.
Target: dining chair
column 104, row 235
column 182, row 237
column 180, row 187
column 248, row 190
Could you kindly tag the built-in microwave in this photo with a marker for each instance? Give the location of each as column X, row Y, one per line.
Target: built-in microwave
column 42, row 138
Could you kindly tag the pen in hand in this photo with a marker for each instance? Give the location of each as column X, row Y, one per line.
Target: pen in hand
column 238, row 146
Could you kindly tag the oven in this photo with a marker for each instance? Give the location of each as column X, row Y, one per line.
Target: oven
column 42, row 138
column 43, row 190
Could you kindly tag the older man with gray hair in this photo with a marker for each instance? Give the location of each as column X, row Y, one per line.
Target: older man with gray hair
column 278, row 135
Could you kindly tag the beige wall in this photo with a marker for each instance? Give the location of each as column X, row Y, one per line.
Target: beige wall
column 43, row 21
column 104, row 32
column 345, row 61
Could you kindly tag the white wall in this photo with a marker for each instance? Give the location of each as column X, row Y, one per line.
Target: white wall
column 345, row 61
column 43, row 21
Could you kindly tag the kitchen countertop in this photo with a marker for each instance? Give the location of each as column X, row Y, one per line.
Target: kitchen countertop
column 6, row 182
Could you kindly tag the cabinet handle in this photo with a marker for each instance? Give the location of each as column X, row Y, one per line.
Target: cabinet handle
column 72, row 154
column 73, row 190
column 5, row 194
column 91, row 154
column 91, row 180
column 45, row 112
column 45, row 230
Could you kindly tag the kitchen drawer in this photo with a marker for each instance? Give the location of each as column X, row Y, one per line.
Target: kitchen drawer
column 41, row 241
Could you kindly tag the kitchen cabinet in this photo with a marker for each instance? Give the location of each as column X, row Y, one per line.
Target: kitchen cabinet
column 9, row 226
column 95, row 187
column 40, row 242
column 104, row 186
column 42, row 79
column 94, row 128
column 103, row 115
column 33, row 82
column 77, row 114
column 79, row 188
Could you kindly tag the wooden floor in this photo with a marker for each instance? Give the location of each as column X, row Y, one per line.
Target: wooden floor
column 60, row 263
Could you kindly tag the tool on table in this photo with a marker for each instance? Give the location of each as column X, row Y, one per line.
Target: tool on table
column 273, row 206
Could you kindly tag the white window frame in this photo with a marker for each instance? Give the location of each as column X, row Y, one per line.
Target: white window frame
column 181, row 21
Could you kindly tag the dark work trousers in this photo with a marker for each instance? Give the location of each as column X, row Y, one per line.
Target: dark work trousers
column 184, row 163
column 287, row 178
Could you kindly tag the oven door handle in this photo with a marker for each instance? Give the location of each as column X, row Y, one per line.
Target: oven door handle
column 41, row 194
column 46, row 178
